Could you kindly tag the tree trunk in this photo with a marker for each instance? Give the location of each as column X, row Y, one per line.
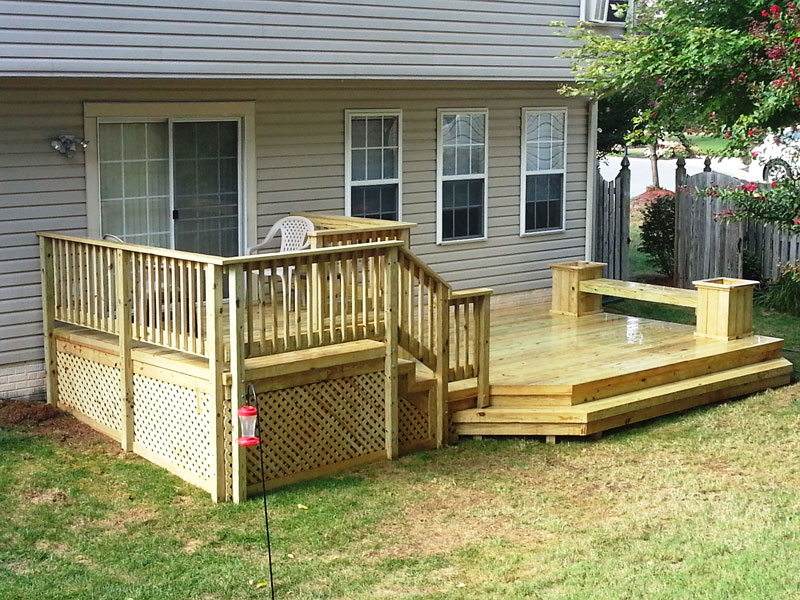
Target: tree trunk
column 654, row 164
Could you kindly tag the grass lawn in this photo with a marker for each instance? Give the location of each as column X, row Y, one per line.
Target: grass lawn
column 704, row 504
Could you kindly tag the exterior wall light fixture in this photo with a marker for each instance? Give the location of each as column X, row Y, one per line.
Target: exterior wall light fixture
column 68, row 144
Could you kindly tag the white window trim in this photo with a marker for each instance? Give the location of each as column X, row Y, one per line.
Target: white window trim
column 95, row 113
column 523, row 171
column 377, row 112
column 441, row 178
column 589, row 9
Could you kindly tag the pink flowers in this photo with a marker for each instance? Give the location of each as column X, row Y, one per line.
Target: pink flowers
column 749, row 187
column 797, row 221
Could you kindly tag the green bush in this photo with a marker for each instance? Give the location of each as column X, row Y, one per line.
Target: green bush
column 784, row 295
column 751, row 266
column 658, row 233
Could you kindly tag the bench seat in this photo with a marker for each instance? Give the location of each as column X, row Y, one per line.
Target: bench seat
column 640, row 291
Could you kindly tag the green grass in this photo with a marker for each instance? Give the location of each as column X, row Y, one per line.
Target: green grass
column 697, row 505
column 708, row 144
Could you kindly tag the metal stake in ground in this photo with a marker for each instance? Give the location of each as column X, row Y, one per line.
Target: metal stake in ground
column 250, row 427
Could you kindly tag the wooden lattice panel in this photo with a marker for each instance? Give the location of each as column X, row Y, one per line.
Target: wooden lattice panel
column 227, row 430
column 89, row 388
column 173, row 422
column 318, row 425
column 413, row 423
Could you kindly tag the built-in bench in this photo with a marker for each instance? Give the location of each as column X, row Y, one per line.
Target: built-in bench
column 723, row 305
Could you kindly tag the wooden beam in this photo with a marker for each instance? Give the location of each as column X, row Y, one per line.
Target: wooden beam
column 236, row 305
column 641, row 291
column 214, row 349
column 48, row 319
column 442, row 372
column 482, row 308
column 122, row 265
column 391, row 315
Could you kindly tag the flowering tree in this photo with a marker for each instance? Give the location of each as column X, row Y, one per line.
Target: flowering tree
column 731, row 66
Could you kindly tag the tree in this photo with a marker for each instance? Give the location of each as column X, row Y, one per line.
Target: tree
column 732, row 66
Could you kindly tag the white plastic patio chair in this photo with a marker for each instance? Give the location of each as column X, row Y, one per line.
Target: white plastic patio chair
column 294, row 236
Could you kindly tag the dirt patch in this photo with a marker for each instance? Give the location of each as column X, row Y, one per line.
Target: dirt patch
column 54, row 496
column 191, row 546
column 446, row 519
column 119, row 521
column 15, row 412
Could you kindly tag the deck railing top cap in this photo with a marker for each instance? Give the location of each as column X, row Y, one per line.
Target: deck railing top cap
column 154, row 250
column 238, row 260
column 353, row 223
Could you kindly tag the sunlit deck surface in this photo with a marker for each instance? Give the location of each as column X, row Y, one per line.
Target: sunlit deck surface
column 530, row 346
column 556, row 375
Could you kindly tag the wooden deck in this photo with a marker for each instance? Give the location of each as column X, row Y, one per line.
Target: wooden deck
column 560, row 375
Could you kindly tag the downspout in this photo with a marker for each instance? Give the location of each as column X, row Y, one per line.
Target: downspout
column 591, row 175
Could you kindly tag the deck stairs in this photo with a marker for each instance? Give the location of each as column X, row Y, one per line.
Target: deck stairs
column 608, row 399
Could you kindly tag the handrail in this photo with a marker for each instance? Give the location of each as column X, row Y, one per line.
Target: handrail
column 304, row 254
column 339, row 223
column 154, row 250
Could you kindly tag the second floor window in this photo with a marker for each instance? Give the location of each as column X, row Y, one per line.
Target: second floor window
column 373, row 177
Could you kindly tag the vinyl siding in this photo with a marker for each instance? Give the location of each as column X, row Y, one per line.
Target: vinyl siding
column 374, row 39
column 300, row 167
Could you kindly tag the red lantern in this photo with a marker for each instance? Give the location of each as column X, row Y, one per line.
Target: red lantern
column 247, row 426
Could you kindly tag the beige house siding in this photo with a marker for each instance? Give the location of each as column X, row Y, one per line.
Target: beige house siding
column 309, row 39
column 300, row 167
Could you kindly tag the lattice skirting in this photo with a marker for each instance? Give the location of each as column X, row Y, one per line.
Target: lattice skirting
column 319, row 427
column 174, row 423
column 90, row 389
column 414, row 425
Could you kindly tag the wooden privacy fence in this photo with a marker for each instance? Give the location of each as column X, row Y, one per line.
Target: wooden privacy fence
column 612, row 222
column 216, row 320
column 705, row 246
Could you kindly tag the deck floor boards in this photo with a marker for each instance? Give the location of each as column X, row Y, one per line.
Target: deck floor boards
column 531, row 347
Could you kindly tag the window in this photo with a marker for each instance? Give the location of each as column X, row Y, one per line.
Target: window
column 461, row 185
column 372, row 164
column 609, row 11
column 169, row 181
column 543, row 170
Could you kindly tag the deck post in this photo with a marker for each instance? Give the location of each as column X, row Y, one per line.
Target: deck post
column 442, row 297
column 567, row 297
column 724, row 308
column 238, row 384
column 48, row 319
column 482, row 359
column 214, row 349
column 391, row 299
column 123, row 277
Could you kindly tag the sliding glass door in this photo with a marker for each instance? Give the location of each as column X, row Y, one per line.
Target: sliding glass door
column 172, row 183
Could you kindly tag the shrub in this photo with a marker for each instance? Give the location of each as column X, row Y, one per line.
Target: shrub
column 784, row 295
column 751, row 266
column 658, row 233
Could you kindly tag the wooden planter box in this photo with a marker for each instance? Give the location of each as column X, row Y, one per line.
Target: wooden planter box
column 567, row 297
column 724, row 308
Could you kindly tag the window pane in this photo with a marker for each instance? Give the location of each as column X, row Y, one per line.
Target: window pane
column 134, row 141
column 448, row 160
column 111, row 141
column 544, row 202
column 374, row 132
column 359, row 165
column 448, row 129
column 374, row 164
column 462, row 160
column 389, row 163
column 390, row 126
column 478, row 125
column 477, row 160
column 358, row 133
column 374, row 201
column 462, row 209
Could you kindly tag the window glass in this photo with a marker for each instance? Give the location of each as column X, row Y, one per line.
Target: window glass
column 462, row 174
column 543, row 170
column 374, row 187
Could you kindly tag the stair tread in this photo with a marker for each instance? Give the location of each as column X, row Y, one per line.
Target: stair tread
column 606, row 407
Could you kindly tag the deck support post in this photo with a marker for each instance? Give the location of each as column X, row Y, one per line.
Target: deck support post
column 48, row 319
column 483, row 305
column 238, row 384
column 391, row 308
column 567, row 297
column 724, row 308
column 442, row 372
column 123, row 277
column 214, row 350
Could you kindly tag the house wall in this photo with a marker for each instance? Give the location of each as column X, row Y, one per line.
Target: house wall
column 312, row 39
column 300, row 160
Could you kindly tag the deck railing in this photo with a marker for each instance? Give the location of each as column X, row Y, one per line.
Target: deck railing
column 336, row 230
column 277, row 302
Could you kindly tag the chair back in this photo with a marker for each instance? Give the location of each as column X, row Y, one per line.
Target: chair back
column 294, row 235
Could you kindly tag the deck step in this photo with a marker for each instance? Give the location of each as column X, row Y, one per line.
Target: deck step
column 626, row 408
